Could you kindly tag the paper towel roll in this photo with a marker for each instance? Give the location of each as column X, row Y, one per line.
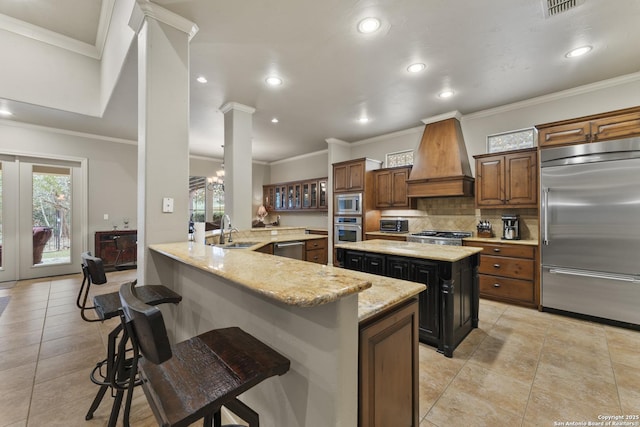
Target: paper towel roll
column 198, row 234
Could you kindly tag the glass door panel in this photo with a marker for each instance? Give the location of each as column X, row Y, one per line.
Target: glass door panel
column 51, row 215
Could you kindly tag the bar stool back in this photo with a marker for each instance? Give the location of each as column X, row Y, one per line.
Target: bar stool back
column 107, row 306
column 195, row 378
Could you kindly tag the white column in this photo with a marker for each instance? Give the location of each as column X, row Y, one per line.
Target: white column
column 238, row 194
column 338, row 151
column 163, row 129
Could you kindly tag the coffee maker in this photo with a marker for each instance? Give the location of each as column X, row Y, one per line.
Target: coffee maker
column 510, row 227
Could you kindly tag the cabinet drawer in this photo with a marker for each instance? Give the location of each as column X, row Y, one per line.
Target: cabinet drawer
column 316, row 244
column 513, row 289
column 318, row 256
column 516, row 251
column 517, row 268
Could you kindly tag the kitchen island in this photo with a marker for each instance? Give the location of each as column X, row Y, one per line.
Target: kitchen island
column 449, row 305
column 312, row 314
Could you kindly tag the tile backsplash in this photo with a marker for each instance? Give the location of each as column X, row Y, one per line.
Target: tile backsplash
column 460, row 213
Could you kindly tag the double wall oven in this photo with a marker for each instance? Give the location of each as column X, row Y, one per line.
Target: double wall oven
column 348, row 218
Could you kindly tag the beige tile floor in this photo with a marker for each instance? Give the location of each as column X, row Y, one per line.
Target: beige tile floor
column 519, row 368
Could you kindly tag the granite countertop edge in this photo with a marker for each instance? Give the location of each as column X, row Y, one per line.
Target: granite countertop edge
column 526, row 242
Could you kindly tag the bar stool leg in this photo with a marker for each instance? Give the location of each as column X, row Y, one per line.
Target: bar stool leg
column 96, row 402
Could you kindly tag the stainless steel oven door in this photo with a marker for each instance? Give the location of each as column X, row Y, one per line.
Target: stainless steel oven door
column 347, row 233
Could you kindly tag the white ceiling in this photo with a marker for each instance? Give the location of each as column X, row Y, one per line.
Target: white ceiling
column 490, row 52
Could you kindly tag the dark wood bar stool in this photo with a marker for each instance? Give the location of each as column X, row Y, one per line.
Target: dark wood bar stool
column 107, row 306
column 195, row 378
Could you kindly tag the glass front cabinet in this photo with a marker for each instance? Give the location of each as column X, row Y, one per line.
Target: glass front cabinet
column 308, row 195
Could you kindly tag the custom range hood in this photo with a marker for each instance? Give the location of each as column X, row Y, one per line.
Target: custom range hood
column 440, row 163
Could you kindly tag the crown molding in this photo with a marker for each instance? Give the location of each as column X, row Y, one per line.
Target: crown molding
column 592, row 87
column 49, row 37
column 337, row 141
column 236, row 106
column 374, row 139
column 7, row 122
column 440, row 117
column 145, row 9
column 300, row 157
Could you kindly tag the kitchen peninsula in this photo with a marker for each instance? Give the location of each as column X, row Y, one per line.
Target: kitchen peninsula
column 315, row 315
column 449, row 305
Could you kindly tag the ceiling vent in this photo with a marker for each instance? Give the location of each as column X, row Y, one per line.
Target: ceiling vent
column 555, row 7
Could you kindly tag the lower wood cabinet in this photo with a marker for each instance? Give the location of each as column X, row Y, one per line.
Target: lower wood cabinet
column 266, row 249
column 401, row 237
column 388, row 369
column 316, row 251
column 508, row 273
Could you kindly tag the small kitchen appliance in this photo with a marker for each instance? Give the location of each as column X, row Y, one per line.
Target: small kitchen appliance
column 394, row 225
column 348, row 204
column 511, row 227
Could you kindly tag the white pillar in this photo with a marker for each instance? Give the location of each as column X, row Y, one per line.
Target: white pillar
column 238, row 194
column 338, row 151
column 163, row 129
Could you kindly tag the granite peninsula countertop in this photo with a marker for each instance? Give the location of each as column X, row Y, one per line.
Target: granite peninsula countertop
column 293, row 282
column 413, row 250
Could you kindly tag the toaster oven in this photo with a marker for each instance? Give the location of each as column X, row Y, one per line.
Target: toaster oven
column 394, row 225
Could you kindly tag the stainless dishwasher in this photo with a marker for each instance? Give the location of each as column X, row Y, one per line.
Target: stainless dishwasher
column 293, row 250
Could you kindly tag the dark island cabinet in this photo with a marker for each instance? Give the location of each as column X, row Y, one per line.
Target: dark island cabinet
column 426, row 272
column 448, row 308
column 398, row 267
column 374, row 264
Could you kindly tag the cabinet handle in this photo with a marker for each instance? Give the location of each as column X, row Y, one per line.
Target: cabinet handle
column 496, row 285
column 315, row 258
column 374, row 263
column 496, row 249
column 496, row 265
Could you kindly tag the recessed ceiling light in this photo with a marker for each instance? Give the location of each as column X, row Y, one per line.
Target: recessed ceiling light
column 201, row 79
column 363, row 120
column 4, row 112
column 368, row 25
column 578, row 51
column 416, row 68
column 445, row 94
column 275, row 120
column 273, row 81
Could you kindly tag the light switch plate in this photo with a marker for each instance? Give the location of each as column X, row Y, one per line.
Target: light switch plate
column 167, row 205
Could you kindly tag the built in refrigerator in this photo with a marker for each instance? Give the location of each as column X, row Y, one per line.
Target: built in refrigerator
column 590, row 230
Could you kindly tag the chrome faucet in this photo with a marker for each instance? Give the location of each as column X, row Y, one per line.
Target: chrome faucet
column 222, row 228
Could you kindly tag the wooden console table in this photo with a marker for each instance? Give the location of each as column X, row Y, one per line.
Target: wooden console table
column 105, row 247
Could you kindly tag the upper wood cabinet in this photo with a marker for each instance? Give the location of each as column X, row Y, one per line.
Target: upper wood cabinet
column 507, row 179
column 390, row 188
column 600, row 127
column 296, row 196
column 348, row 176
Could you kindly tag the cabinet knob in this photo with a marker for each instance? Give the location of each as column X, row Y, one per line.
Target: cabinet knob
column 496, row 285
column 496, row 265
column 496, row 249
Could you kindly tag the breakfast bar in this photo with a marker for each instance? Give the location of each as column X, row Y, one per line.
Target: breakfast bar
column 310, row 313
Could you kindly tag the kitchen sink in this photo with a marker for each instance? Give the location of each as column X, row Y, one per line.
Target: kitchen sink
column 237, row 245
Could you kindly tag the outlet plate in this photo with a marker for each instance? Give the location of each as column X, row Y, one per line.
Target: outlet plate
column 167, row 205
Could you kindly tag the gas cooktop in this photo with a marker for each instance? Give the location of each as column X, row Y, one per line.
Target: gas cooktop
column 453, row 238
column 445, row 234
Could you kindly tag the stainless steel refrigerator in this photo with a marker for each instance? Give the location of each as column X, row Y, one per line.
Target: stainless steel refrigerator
column 590, row 229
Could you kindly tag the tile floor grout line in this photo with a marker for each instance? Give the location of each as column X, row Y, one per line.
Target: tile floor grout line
column 453, row 378
column 615, row 377
column 535, row 373
column 33, row 380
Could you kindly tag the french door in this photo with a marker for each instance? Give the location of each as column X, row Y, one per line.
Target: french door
column 42, row 216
